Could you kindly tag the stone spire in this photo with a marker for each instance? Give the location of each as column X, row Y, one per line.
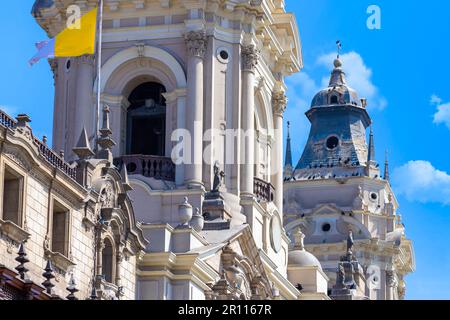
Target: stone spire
column 105, row 141
column 83, row 148
column 288, row 168
column 371, row 154
column 288, row 147
column 125, row 181
column 386, row 168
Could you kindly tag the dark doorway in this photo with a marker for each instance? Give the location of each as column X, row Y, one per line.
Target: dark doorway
column 146, row 120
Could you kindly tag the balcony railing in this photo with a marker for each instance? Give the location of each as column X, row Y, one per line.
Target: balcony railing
column 55, row 160
column 6, row 120
column 48, row 154
column 264, row 191
column 160, row 168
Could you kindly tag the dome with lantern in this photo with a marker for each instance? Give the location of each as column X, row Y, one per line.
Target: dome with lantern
column 337, row 92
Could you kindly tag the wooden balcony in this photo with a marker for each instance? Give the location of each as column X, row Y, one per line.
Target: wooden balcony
column 160, row 168
column 264, row 191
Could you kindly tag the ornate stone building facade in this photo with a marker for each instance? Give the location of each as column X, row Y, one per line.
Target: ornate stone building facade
column 174, row 189
column 73, row 222
column 210, row 206
column 336, row 189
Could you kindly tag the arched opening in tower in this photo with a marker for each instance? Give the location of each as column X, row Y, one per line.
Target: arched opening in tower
column 146, row 120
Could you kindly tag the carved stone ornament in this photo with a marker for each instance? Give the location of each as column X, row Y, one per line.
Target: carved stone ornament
column 279, row 101
column 391, row 280
column 196, row 42
column 18, row 159
column 107, row 196
column 250, row 57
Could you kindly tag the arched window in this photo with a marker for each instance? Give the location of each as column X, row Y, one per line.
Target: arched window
column 146, row 120
column 108, row 261
column 334, row 100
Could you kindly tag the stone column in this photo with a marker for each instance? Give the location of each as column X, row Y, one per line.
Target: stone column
column 196, row 42
column 84, row 107
column 279, row 101
column 249, row 61
column 100, row 247
column 391, row 284
column 58, row 109
column 177, row 98
column 119, row 260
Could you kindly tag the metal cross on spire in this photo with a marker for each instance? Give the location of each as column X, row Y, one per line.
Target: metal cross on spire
column 339, row 46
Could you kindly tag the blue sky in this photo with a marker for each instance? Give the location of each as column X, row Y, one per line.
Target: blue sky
column 398, row 68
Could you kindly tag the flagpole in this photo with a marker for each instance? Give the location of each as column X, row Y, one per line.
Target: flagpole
column 99, row 69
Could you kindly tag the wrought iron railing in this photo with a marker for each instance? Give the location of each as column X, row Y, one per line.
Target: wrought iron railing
column 264, row 191
column 160, row 168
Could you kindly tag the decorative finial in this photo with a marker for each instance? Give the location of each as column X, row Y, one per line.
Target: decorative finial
column 72, row 288
column 83, row 148
column 339, row 46
column 22, row 259
column 299, row 239
column 125, row 180
column 44, row 139
column 48, row 275
column 289, row 129
column 371, row 155
column 185, row 212
column 105, row 141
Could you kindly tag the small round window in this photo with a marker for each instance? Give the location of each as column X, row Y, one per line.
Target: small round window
column 68, row 64
column 332, row 143
column 326, row 227
column 373, row 196
column 223, row 55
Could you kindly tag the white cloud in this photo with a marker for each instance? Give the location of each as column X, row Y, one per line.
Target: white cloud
column 420, row 181
column 358, row 75
column 302, row 89
column 435, row 100
column 442, row 115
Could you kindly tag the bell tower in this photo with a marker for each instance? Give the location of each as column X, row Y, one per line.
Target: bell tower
column 337, row 190
column 195, row 98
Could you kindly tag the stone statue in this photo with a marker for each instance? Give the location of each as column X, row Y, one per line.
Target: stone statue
column 350, row 242
column 340, row 280
column 218, row 178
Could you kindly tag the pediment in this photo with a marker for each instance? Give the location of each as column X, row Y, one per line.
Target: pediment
column 326, row 209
